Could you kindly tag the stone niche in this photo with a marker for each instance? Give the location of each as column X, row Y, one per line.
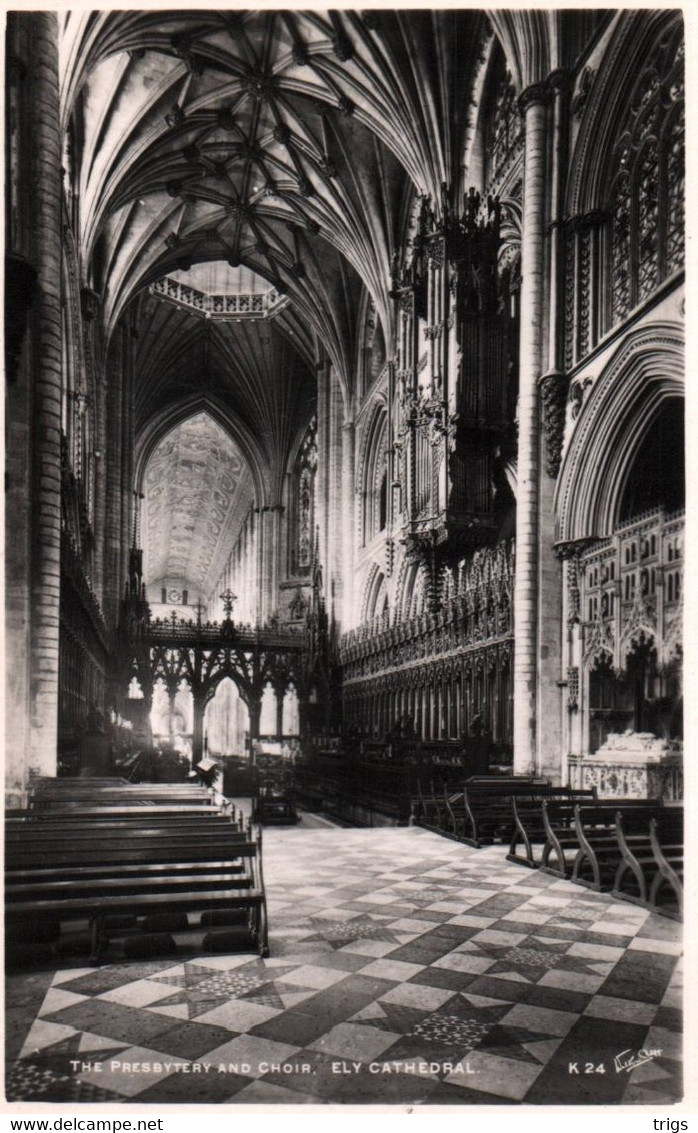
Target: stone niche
column 632, row 765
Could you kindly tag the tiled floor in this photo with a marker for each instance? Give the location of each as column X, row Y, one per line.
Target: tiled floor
column 404, row 968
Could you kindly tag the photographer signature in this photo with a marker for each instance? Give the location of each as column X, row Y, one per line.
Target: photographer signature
column 628, row 1059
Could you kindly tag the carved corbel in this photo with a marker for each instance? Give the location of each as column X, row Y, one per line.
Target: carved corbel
column 553, row 387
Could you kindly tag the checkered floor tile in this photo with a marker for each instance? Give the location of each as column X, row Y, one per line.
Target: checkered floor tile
column 404, row 968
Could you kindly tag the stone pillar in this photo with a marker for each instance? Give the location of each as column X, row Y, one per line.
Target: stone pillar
column 20, row 286
column 265, row 552
column 254, row 706
column 100, row 487
column 322, row 478
column 114, row 578
column 553, row 387
column 44, row 189
column 276, row 556
column 349, row 615
column 258, row 572
column 171, row 697
column 334, row 587
column 197, row 742
column 279, row 693
column 127, row 427
column 534, row 109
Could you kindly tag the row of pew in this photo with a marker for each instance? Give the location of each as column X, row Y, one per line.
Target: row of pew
column 632, row 848
column 95, row 862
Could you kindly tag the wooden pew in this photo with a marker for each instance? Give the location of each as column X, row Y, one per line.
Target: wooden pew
column 62, row 792
column 62, row 847
column 599, row 854
column 34, row 839
column 529, row 829
column 485, row 812
column 562, row 825
column 456, row 813
column 135, row 874
column 68, row 784
column 639, row 861
column 667, row 847
column 116, row 796
column 103, row 817
column 70, row 787
column 79, row 871
column 430, row 807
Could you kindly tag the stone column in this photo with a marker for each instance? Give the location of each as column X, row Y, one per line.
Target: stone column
column 114, row 579
column 127, row 427
column 322, row 478
column 335, row 574
column 534, row 109
column 266, row 553
column 20, row 287
column 197, row 741
column 256, row 581
column 46, row 333
column 276, row 555
column 279, row 693
column 100, row 486
column 254, row 706
column 349, row 616
column 171, row 697
column 553, row 387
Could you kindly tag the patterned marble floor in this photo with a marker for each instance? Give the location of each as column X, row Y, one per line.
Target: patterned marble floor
column 404, row 968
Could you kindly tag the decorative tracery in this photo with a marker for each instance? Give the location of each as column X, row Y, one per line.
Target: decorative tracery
column 506, row 126
column 306, row 465
column 374, row 489
column 646, row 197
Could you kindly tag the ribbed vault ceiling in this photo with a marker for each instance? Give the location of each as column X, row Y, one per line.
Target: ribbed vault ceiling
column 288, row 144
column 265, row 138
column 197, row 492
column 285, row 144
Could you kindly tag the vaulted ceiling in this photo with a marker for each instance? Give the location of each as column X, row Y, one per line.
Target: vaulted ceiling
column 286, row 144
column 197, row 492
column 287, row 141
column 254, row 372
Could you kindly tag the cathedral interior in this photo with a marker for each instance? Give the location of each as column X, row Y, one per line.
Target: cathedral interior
column 344, row 434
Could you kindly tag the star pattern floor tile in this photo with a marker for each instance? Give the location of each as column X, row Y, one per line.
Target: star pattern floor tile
column 404, row 968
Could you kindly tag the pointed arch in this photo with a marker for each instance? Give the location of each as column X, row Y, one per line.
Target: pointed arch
column 371, row 480
column 614, row 422
column 182, row 410
column 633, row 42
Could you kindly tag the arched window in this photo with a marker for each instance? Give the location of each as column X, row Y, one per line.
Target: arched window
column 418, row 597
column 377, row 603
column 656, row 478
column 306, row 464
column 504, row 130
column 375, row 486
column 383, row 502
column 646, row 194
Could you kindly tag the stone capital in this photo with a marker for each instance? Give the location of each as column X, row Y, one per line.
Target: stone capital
column 536, row 94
